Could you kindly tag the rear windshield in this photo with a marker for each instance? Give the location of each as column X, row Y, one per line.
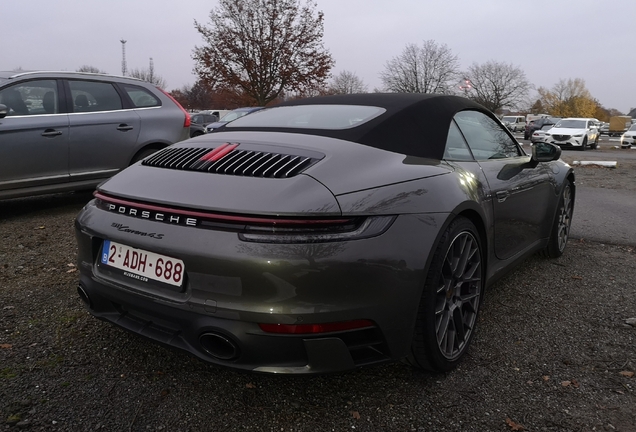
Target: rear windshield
column 310, row 117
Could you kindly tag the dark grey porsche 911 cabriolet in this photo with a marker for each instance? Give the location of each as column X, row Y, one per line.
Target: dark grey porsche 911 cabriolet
column 323, row 234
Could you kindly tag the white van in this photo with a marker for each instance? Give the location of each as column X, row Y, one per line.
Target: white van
column 514, row 123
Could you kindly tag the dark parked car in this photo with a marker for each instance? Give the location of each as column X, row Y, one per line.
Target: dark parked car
column 62, row 131
column 231, row 116
column 323, row 234
column 537, row 124
column 199, row 121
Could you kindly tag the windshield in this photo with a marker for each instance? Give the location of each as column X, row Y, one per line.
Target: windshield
column 232, row 115
column 507, row 119
column 571, row 124
column 633, row 127
column 311, row 117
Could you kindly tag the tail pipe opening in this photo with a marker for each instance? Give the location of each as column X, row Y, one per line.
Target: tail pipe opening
column 84, row 296
column 219, row 346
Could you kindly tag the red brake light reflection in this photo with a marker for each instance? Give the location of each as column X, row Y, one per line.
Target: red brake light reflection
column 315, row 328
column 219, row 152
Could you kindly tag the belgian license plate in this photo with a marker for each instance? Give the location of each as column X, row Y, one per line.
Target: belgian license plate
column 142, row 265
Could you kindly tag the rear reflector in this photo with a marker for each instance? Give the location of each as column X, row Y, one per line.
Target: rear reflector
column 315, row 328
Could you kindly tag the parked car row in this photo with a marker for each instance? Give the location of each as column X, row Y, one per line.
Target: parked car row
column 514, row 123
column 537, row 124
column 199, row 122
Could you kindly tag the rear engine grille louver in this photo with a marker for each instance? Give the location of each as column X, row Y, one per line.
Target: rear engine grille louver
column 230, row 160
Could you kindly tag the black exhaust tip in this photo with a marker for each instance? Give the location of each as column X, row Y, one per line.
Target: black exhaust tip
column 219, row 346
column 84, row 296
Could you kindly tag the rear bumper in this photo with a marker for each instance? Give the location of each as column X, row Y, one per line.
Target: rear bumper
column 231, row 286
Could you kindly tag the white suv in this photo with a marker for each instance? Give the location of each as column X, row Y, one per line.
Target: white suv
column 514, row 123
column 574, row 132
column 628, row 138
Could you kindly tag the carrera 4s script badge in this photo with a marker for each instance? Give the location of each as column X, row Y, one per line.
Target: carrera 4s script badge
column 127, row 229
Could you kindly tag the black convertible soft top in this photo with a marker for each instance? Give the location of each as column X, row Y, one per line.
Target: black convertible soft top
column 413, row 124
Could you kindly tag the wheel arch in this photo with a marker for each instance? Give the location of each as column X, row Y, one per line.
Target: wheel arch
column 473, row 212
column 477, row 219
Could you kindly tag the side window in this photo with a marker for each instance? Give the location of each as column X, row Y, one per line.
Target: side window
column 456, row 147
column 91, row 96
column 31, row 98
column 486, row 139
column 141, row 98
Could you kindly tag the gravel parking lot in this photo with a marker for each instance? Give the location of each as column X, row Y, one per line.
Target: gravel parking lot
column 554, row 351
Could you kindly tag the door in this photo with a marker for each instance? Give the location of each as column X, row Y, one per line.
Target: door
column 103, row 135
column 517, row 186
column 33, row 136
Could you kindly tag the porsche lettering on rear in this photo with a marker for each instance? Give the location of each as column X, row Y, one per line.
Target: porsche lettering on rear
column 157, row 216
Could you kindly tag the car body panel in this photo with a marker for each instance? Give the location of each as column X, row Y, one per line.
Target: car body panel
column 101, row 143
column 29, row 159
column 261, row 249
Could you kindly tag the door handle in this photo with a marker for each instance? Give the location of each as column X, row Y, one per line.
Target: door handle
column 124, row 127
column 51, row 133
column 502, row 195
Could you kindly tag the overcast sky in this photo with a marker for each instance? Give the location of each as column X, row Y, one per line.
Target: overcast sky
column 547, row 39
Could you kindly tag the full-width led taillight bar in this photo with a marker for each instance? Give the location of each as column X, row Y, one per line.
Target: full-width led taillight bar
column 133, row 208
column 316, row 328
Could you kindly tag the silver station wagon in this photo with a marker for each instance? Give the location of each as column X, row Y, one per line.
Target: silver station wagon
column 64, row 131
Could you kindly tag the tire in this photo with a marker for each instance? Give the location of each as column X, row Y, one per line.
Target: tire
column 142, row 154
column 560, row 232
column 595, row 144
column 448, row 310
column 584, row 145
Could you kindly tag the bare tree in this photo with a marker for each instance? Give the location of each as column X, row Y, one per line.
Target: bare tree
column 264, row 48
column 148, row 75
column 431, row 68
column 347, row 83
column 90, row 69
column 497, row 85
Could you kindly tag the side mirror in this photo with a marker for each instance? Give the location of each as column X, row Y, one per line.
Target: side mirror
column 545, row 152
column 4, row 110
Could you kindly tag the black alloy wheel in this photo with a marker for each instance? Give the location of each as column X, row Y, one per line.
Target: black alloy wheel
column 450, row 301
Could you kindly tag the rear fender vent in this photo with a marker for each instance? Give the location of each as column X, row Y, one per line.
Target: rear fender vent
column 229, row 159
